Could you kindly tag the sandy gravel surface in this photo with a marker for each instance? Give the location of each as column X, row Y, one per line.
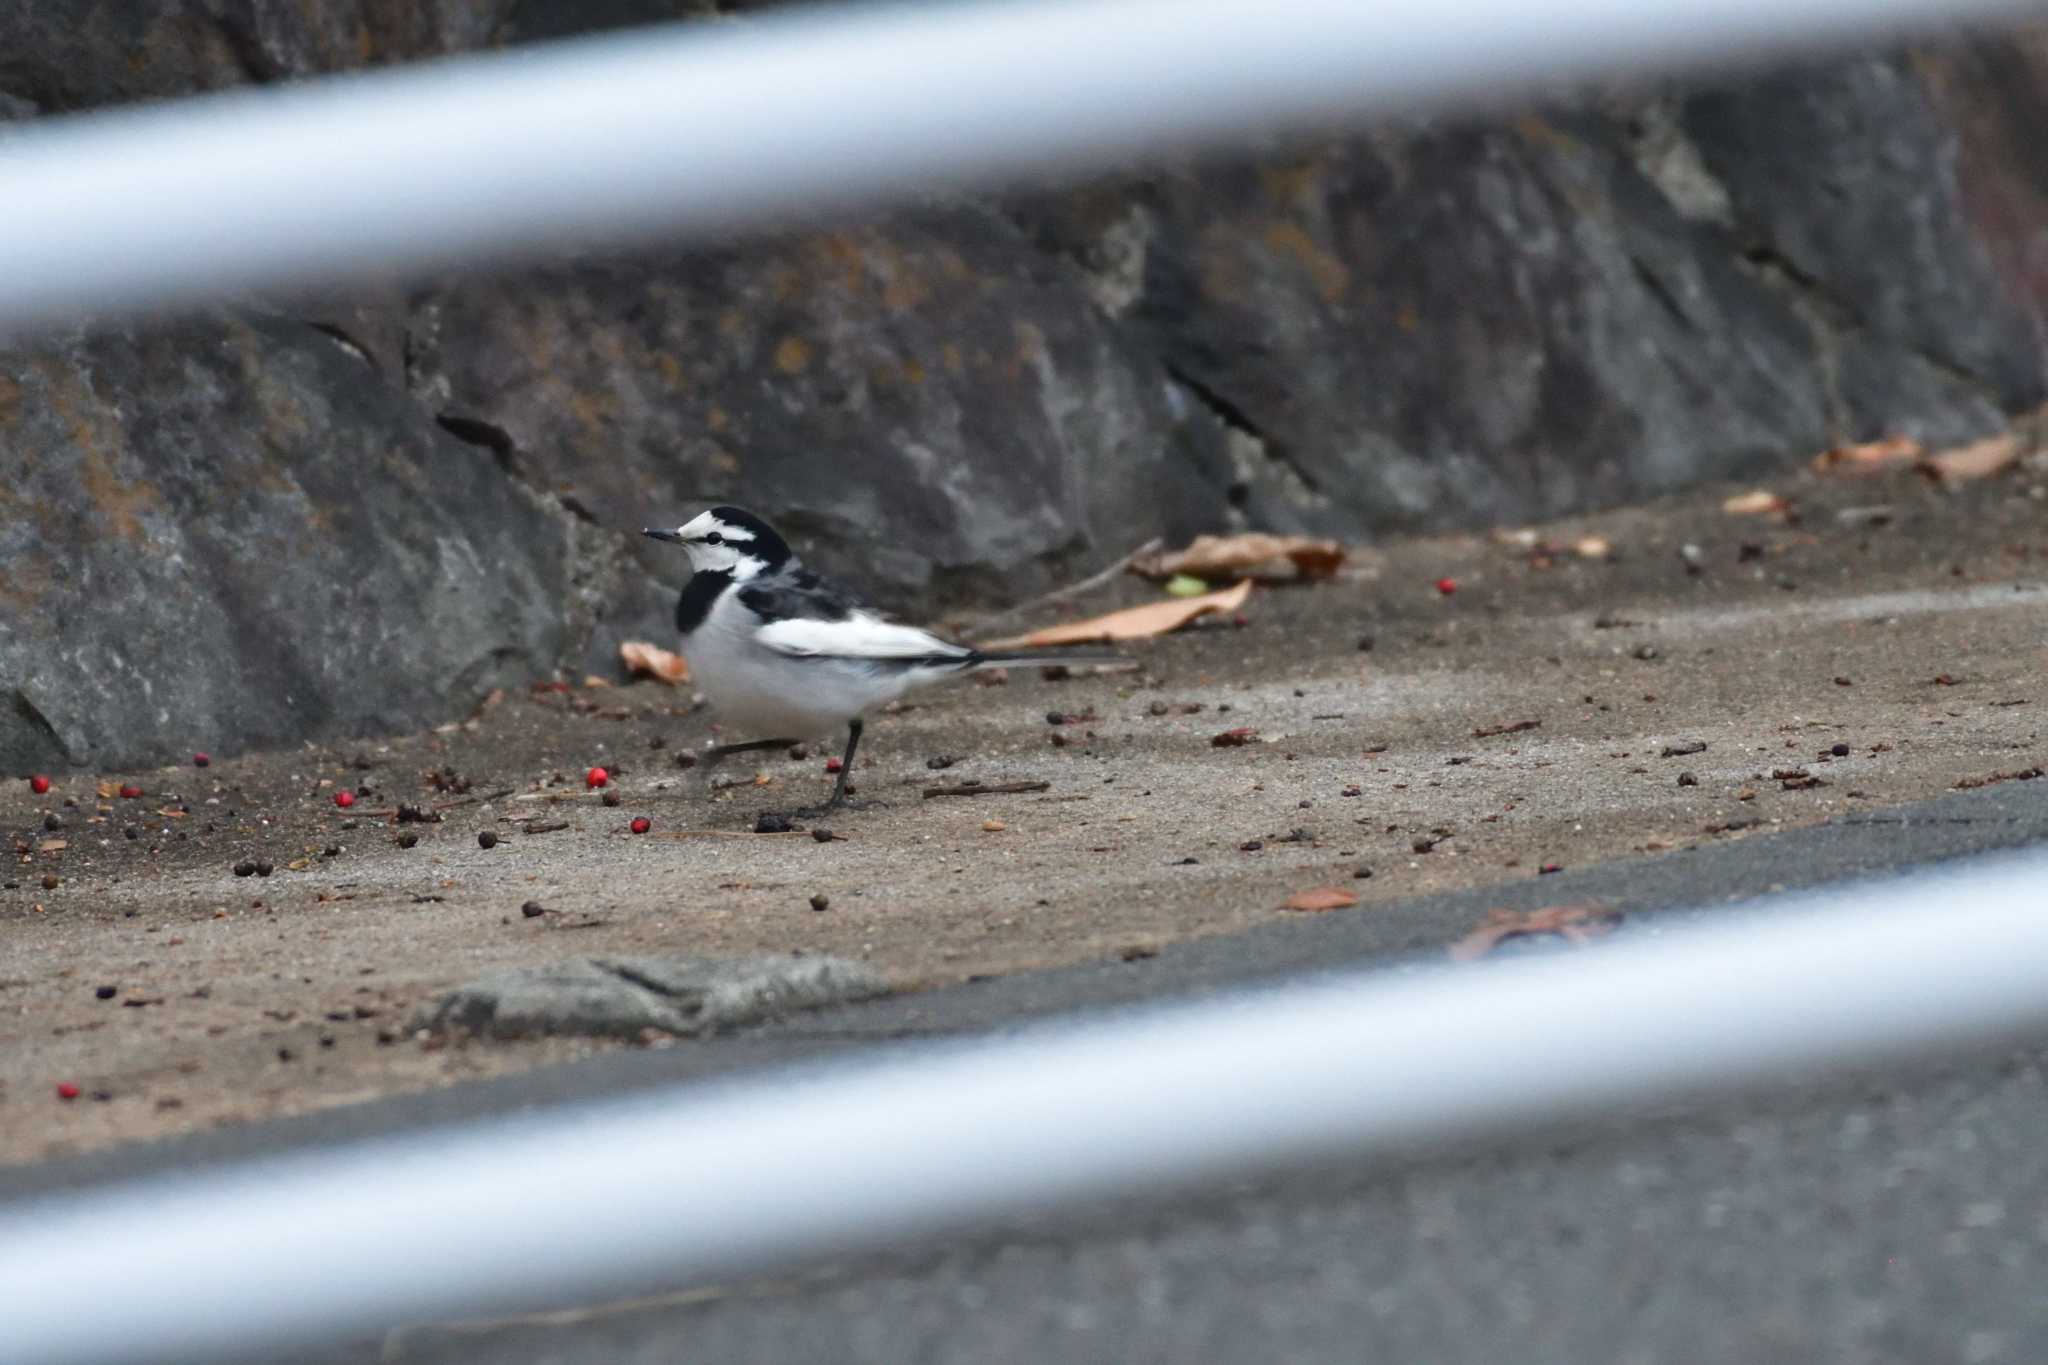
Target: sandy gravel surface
column 1827, row 664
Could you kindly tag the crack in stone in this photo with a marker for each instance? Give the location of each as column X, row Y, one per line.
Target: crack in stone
column 1236, row 420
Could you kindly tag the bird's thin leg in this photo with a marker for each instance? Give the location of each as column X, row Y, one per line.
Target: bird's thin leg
column 845, row 764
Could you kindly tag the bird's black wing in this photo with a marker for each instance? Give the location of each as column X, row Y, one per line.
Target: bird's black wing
column 796, row 593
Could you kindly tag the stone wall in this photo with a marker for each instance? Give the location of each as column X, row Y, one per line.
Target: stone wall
column 283, row 519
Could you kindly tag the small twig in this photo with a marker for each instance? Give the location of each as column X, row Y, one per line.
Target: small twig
column 724, row 833
column 1513, row 727
column 548, row 828
column 1072, row 590
column 985, row 789
column 391, row 813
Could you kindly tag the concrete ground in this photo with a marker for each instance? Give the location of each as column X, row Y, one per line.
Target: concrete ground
column 1897, row 1217
column 1833, row 666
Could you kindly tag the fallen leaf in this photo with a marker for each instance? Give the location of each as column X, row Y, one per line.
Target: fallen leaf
column 1320, row 898
column 1231, row 739
column 1133, row 623
column 53, row 845
column 1253, row 552
column 641, row 657
column 591, row 682
column 1977, row 460
column 106, row 791
column 1576, row 924
column 1592, row 547
column 993, row 826
column 1871, row 457
column 1756, row 502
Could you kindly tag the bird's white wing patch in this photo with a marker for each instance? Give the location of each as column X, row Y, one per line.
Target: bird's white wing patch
column 859, row 636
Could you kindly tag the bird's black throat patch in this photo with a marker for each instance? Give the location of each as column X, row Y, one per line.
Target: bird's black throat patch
column 698, row 596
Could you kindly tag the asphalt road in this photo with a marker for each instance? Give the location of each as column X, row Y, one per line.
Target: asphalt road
column 1877, row 1218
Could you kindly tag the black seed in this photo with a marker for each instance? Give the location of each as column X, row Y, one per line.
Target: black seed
column 820, row 901
column 487, row 840
column 771, row 823
column 1362, row 873
column 533, row 909
column 1840, row 750
column 53, row 821
column 823, row 836
column 264, row 869
column 685, row 759
column 408, row 840
column 245, row 868
column 611, row 798
column 105, row 992
column 1688, row 780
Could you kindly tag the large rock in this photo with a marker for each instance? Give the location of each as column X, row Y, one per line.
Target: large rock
column 228, row 532
column 625, row 997
column 349, row 513
column 926, row 404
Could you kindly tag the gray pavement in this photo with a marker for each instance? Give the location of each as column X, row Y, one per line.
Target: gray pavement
column 1898, row 1217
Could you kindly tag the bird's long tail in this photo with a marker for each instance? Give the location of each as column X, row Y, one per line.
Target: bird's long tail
column 1038, row 658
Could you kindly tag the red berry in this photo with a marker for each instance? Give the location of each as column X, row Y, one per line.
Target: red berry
column 641, row 824
column 833, row 765
column 596, row 778
column 129, row 791
column 344, row 799
column 39, row 784
column 66, row 1090
column 201, row 760
column 1447, row 586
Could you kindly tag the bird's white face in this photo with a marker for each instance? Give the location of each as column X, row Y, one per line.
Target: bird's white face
column 715, row 546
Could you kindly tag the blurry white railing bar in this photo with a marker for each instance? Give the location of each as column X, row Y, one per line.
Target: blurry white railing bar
column 720, row 1180
column 708, row 126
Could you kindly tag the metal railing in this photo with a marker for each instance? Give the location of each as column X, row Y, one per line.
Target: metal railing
column 706, row 1182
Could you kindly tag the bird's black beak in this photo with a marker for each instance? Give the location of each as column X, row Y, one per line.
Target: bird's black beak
column 674, row 537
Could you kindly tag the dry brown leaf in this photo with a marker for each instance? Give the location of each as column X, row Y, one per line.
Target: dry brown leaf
column 107, row 791
column 1757, row 502
column 1977, row 460
column 1320, row 898
column 1254, row 553
column 1133, row 623
column 1871, row 457
column 1574, row 923
column 641, row 657
column 53, row 845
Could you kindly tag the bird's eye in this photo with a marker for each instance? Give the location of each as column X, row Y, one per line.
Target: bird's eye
column 714, row 539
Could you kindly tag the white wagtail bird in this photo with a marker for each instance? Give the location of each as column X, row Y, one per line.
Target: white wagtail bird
column 782, row 652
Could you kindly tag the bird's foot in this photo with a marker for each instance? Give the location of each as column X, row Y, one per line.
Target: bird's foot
column 839, row 803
